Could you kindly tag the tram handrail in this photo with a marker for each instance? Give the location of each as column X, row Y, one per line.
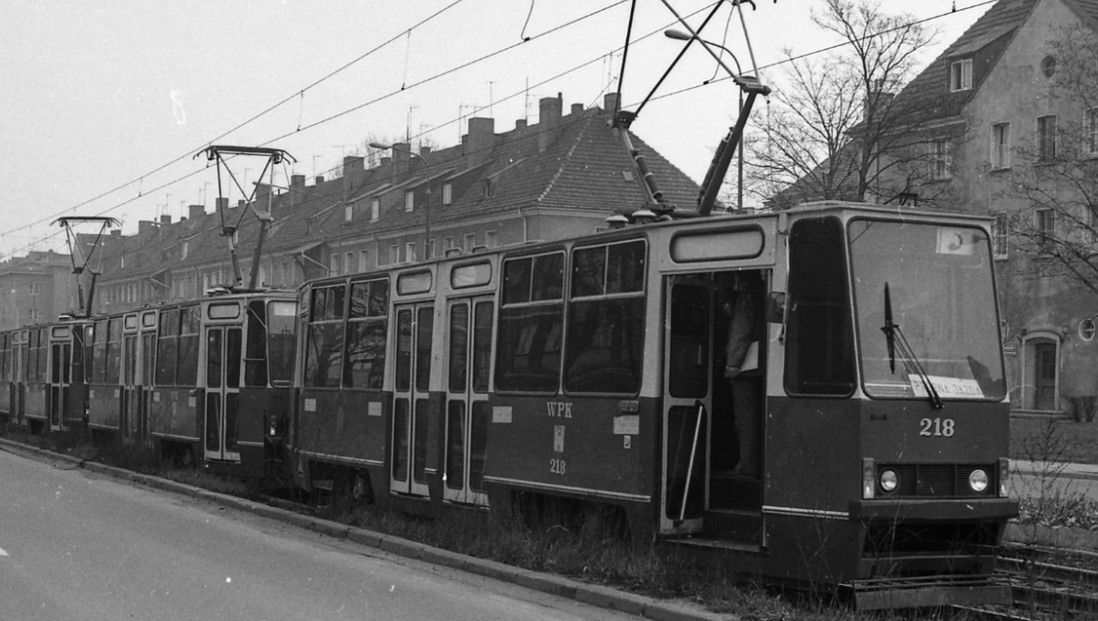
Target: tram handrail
column 690, row 464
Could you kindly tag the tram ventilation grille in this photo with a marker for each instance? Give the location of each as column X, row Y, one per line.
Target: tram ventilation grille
column 938, row 480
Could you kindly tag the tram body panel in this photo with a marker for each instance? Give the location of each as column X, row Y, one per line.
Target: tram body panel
column 343, row 426
column 173, row 413
column 573, row 445
column 104, row 407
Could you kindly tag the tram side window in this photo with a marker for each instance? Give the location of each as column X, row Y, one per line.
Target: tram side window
column 89, row 351
column 114, row 351
column 99, row 353
column 187, row 367
column 78, row 361
column 4, row 353
column 167, row 348
column 367, row 328
column 604, row 346
column 324, row 337
column 531, row 319
column 255, row 352
column 35, row 365
column 819, row 350
column 280, row 342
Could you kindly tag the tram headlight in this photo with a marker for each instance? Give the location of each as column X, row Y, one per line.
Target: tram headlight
column 977, row 480
column 889, row 480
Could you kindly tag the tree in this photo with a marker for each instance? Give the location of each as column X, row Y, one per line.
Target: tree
column 835, row 129
column 1056, row 174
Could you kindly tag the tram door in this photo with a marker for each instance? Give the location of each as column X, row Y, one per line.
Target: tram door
column 687, row 401
column 60, row 378
column 148, row 369
column 469, row 340
column 222, row 392
column 132, row 403
column 411, row 399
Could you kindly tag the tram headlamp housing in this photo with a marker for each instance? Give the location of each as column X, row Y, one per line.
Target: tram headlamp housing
column 978, row 480
column 869, row 478
column 889, row 480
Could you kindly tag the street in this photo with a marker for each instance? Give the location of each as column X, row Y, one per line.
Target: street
column 75, row 545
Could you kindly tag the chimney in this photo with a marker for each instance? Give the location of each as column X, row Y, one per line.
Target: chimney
column 262, row 195
column 196, row 211
column 548, row 120
column 145, row 227
column 520, row 124
column 166, row 219
column 402, row 154
column 482, row 137
column 297, row 189
column 352, row 164
column 116, row 232
column 319, row 180
column 424, row 150
column 577, row 108
column 610, row 102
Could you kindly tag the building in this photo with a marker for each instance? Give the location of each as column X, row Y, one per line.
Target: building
column 35, row 288
column 558, row 178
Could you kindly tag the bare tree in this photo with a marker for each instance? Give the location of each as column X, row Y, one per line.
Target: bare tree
column 835, row 129
column 1056, row 174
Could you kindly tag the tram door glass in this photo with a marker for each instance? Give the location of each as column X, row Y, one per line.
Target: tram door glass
column 469, row 357
column 411, row 403
column 223, row 352
column 131, row 398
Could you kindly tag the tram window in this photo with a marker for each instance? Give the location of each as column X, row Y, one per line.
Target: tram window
column 531, row 324
column 323, row 354
column 255, row 355
column 605, row 335
column 424, row 327
column 819, row 346
column 77, row 364
column 688, row 346
column 89, row 352
column 369, row 299
column 99, row 353
column 327, row 303
column 232, row 358
column 114, row 351
column 366, row 334
column 167, row 349
column 280, row 342
column 187, row 369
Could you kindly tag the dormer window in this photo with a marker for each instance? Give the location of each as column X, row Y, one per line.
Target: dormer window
column 348, row 213
column 486, row 184
column 375, row 209
column 447, row 193
column 960, row 75
column 409, row 201
column 186, row 250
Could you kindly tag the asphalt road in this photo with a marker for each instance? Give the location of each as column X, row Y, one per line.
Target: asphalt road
column 75, row 545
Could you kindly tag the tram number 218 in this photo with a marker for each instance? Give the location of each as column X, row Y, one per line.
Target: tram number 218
column 944, row 427
column 557, row 466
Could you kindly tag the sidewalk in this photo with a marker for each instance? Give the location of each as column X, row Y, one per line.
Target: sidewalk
column 1066, row 470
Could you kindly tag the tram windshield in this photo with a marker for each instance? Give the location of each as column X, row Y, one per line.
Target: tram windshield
column 926, row 313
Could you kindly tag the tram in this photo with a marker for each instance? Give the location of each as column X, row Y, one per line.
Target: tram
column 42, row 383
column 592, row 370
column 198, row 382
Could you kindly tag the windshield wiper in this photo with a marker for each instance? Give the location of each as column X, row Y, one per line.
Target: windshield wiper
column 895, row 339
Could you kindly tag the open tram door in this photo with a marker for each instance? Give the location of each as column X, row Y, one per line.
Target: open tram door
column 712, row 480
column 60, row 376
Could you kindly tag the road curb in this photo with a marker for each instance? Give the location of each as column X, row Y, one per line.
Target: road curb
column 593, row 594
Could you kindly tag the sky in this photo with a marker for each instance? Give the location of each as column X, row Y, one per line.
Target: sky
column 104, row 103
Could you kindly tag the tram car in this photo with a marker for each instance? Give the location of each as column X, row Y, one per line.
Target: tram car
column 871, row 447
column 198, row 382
column 42, row 383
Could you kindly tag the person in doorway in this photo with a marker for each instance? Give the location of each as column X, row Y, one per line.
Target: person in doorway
column 742, row 370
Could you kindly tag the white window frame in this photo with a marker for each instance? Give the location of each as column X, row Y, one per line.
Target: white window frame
column 348, row 213
column 410, row 252
column 348, row 261
column 447, row 193
column 1000, row 237
column 960, row 75
column 333, row 264
column 1044, row 127
column 363, row 260
column 491, row 239
column 375, row 209
column 394, row 253
column 941, row 159
column 1000, row 146
column 468, row 242
column 409, row 201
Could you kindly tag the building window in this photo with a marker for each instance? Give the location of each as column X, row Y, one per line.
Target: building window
column 122, row 262
column 431, row 250
column 469, row 243
column 349, row 213
column 1046, row 228
column 490, row 239
column 486, row 184
column 1046, row 137
column 333, row 269
column 375, row 209
column 394, row 253
column 1040, row 384
column 185, row 250
column 1092, row 131
column 1000, row 145
column 409, row 200
column 447, row 193
column 960, row 75
column 410, row 251
column 1001, row 236
column 363, row 261
column 941, row 159
column 349, row 261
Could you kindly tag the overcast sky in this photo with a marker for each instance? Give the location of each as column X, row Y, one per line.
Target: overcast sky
column 99, row 94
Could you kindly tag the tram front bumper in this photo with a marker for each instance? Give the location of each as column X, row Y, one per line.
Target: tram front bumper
column 938, row 509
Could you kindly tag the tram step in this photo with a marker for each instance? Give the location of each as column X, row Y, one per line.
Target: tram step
column 734, row 524
column 733, row 492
